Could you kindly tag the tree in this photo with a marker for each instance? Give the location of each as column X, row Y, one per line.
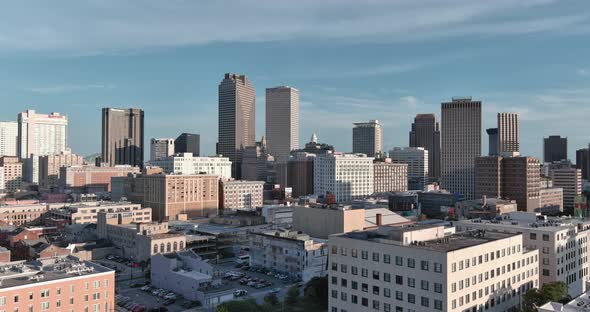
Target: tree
column 291, row 298
column 555, row 291
column 248, row 305
column 316, row 291
column 271, row 299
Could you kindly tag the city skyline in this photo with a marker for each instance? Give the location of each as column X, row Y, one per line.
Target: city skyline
column 395, row 78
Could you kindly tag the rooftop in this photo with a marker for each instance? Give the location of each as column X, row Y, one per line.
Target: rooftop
column 393, row 235
column 534, row 220
column 579, row 304
column 17, row 273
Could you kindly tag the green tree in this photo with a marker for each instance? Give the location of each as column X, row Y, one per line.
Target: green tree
column 248, row 305
column 316, row 291
column 533, row 298
column 271, row 299
column 291, row 298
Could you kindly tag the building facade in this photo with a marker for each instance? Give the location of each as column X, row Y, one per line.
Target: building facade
column 389, row 176
column 122, row 136
column 241, row 195
column 8, row 138
column 570, row 180
column 300, row 173
column 419, row 268
column 346, row 176
column 583, row 161
column 508, row 133
column 161, row 148
column 87, row 213
column 293, row 253
column 18, row 215
column 91, row 179
column 554, row 148
column 188, row 143
column 41, row 134
column 188, row 164
column 426, row 133
column 12, row 173
column 461, row 144
column 237, row 118
column 65, row 285
column 282, row 121
column 417, row 160
column 50, row 165
column 367, row 138
column 492, row 141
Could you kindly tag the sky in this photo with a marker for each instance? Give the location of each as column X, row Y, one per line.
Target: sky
column 351, row 60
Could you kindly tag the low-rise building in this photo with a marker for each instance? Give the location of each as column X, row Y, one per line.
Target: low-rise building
column 240, row 194
column 289, row 252
column 578, row 304
column 278, row 215
column 67, row 284
column 485, row 208
column 186, row 163
column 322, row 221
column 50, row 165
column 18, row 215
column 84, row 213
column 551, row 200
column 91, row 179
column 403, row 201
column 138, row 241
column 438, row 204
column 562, row 244
column 420, row 268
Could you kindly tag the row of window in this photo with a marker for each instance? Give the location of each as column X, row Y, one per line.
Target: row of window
column 376, row 304
column 491, row 256
column 386, row 258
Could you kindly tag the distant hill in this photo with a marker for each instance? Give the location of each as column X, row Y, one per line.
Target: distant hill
column 90, row 158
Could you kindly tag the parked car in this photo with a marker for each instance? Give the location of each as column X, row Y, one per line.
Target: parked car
column 240, row 292
column 275, row 290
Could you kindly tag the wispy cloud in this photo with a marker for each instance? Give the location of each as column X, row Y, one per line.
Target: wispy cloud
column 66, row 88
column 101, row 26
column 583, row 72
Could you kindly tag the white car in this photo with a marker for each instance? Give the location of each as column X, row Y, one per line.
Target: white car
column 240, row 292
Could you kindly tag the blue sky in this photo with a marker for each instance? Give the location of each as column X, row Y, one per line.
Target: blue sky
column 351, row 60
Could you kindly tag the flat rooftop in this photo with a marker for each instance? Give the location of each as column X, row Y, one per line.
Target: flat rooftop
column 20, row 273
column 391, row 235
column 529, row 220
column 579, row 304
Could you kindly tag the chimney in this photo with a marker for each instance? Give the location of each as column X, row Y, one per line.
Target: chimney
column 379, row 218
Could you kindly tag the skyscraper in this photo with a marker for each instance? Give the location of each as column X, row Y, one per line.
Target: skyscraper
column 554, row 148
column 493, row 141
column 188, row 143
column 161, row 148
column 461, row 144
column 508, row 133
column 41, row 134
column 282, row 122
column 425, row 133
column 367, row 138
column 122, row 136
column 237, row 118
column 582, row 160
column 8, row 138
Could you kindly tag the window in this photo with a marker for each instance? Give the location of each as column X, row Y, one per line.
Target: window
column 365, row 302
column 364, row 272
column 364, row 254
column 376, row 275
column 399, row 295
column 424, row 301
column 424, row 285
column 96, row 284
column 424, row 265
column 399, row 280
column 45, row 293
column 343, row 268
column 364, row 287
column 354, row 285
column 399, row 260
column 438, row 305
column 438, row 288
column 354, row 270
column 334, row 293
column 386, row 307
column 376, row 256
column 387, row 277
column 411, row 282
column 437, row 267
column 343, row 251
column 411, row 298
column 344, row 282
column 2, row 301
column 411, row 263
column 354, row 299
column 546, row 237
column 44, row 306
column 386, row 258
column 354, row 253
column 376, row 290
column 334, row 266
column 375, row 304
column 386, row 292
column 454, row 267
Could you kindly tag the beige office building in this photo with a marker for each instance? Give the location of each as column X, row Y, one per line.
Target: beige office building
column 13, row 173
column 570, row 180
column 367, row 138
column 174, row 196
column 346, row 176
column 508, row 133
column 423, row 269
column 18, row 215
column 282, row 121
column 50, row 165
column 551, row 200
column 389, row 176
column 562, row 244
column 41, row 134
column 86, row 213
column 122, row 136
column 237, row 118
column 161, row 148
column 187, row 163
column 461, row 145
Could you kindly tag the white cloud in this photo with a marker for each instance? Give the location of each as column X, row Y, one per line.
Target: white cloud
column 109, row 25
column 583, row 72
column 66, row 88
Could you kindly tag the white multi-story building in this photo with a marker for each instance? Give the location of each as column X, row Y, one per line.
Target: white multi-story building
column 562, row 244
column 282, row 121
column 161, row 148
column 8, row 138
column 429, row 268
column 41, row 134
column 347, row 176
column 289, row 252
column 187, row 164
column 240, row 194
column 417, row 160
